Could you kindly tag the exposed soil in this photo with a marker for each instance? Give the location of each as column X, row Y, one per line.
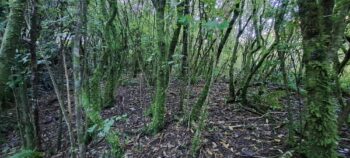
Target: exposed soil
column 231, row 131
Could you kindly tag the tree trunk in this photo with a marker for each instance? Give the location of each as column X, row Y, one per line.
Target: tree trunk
column 33, row 36
column 158, row 107
column 175, row 38
column 9, row 46
column 77, row 74
column 197, row 108
column 236, row 13
column 232, row 91
column 184, row 65
column 26, row 121
column 317, row 19
column 63, row 112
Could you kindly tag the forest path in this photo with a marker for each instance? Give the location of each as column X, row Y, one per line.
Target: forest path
column 230, row 130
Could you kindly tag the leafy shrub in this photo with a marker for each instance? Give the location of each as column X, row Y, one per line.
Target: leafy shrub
column 269, row 99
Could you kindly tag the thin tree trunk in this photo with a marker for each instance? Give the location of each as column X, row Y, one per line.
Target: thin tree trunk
column 234, row 58
column 33, row 36
column 197, row 108
column 59, row 131
column 63, row 111
column 77, row 74
column 184, row 65
column 236, row 13
column 26, row 115
column 175, row 38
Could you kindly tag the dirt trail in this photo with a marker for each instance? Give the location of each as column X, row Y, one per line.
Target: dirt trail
column 231, row 131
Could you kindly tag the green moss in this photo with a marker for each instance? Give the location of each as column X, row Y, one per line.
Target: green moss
column 158, row 110
column 27, row 154
column 196, row 140
column 196, row 143
column 269, row 99
column 195, row 112
column 321, row 127
column 10, row 43
column 273, row 99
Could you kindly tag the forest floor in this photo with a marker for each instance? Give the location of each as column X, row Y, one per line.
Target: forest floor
column 231, row 131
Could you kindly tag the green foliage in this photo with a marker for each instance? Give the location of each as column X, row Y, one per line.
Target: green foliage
column 131, row 35
column 273, row 98
column 347, row 30
column 269, row 99
column 210, row 4
column 105, row 128
column 345, row 79
column 102, row 127
column 28, row 154
column 185, row 20
column 214, row 25
column 294, row 87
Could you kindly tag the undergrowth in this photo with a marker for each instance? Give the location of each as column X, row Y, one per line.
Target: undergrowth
column 27, row 154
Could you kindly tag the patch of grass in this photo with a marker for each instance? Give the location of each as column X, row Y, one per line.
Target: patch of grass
column 273, row 99
column 269, row 99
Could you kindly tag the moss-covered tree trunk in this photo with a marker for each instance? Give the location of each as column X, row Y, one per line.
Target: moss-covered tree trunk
column 184, row 65
column 25, row 119
column 195, row 112
column 317, row 25
column 197, row 108
column 113, row 59
column 80, row 31
column 9, row 45
column 158, row 107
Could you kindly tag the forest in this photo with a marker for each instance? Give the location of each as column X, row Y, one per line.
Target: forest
column 174, row 78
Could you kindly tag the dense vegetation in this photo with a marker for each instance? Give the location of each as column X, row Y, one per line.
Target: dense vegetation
column 261, row 57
